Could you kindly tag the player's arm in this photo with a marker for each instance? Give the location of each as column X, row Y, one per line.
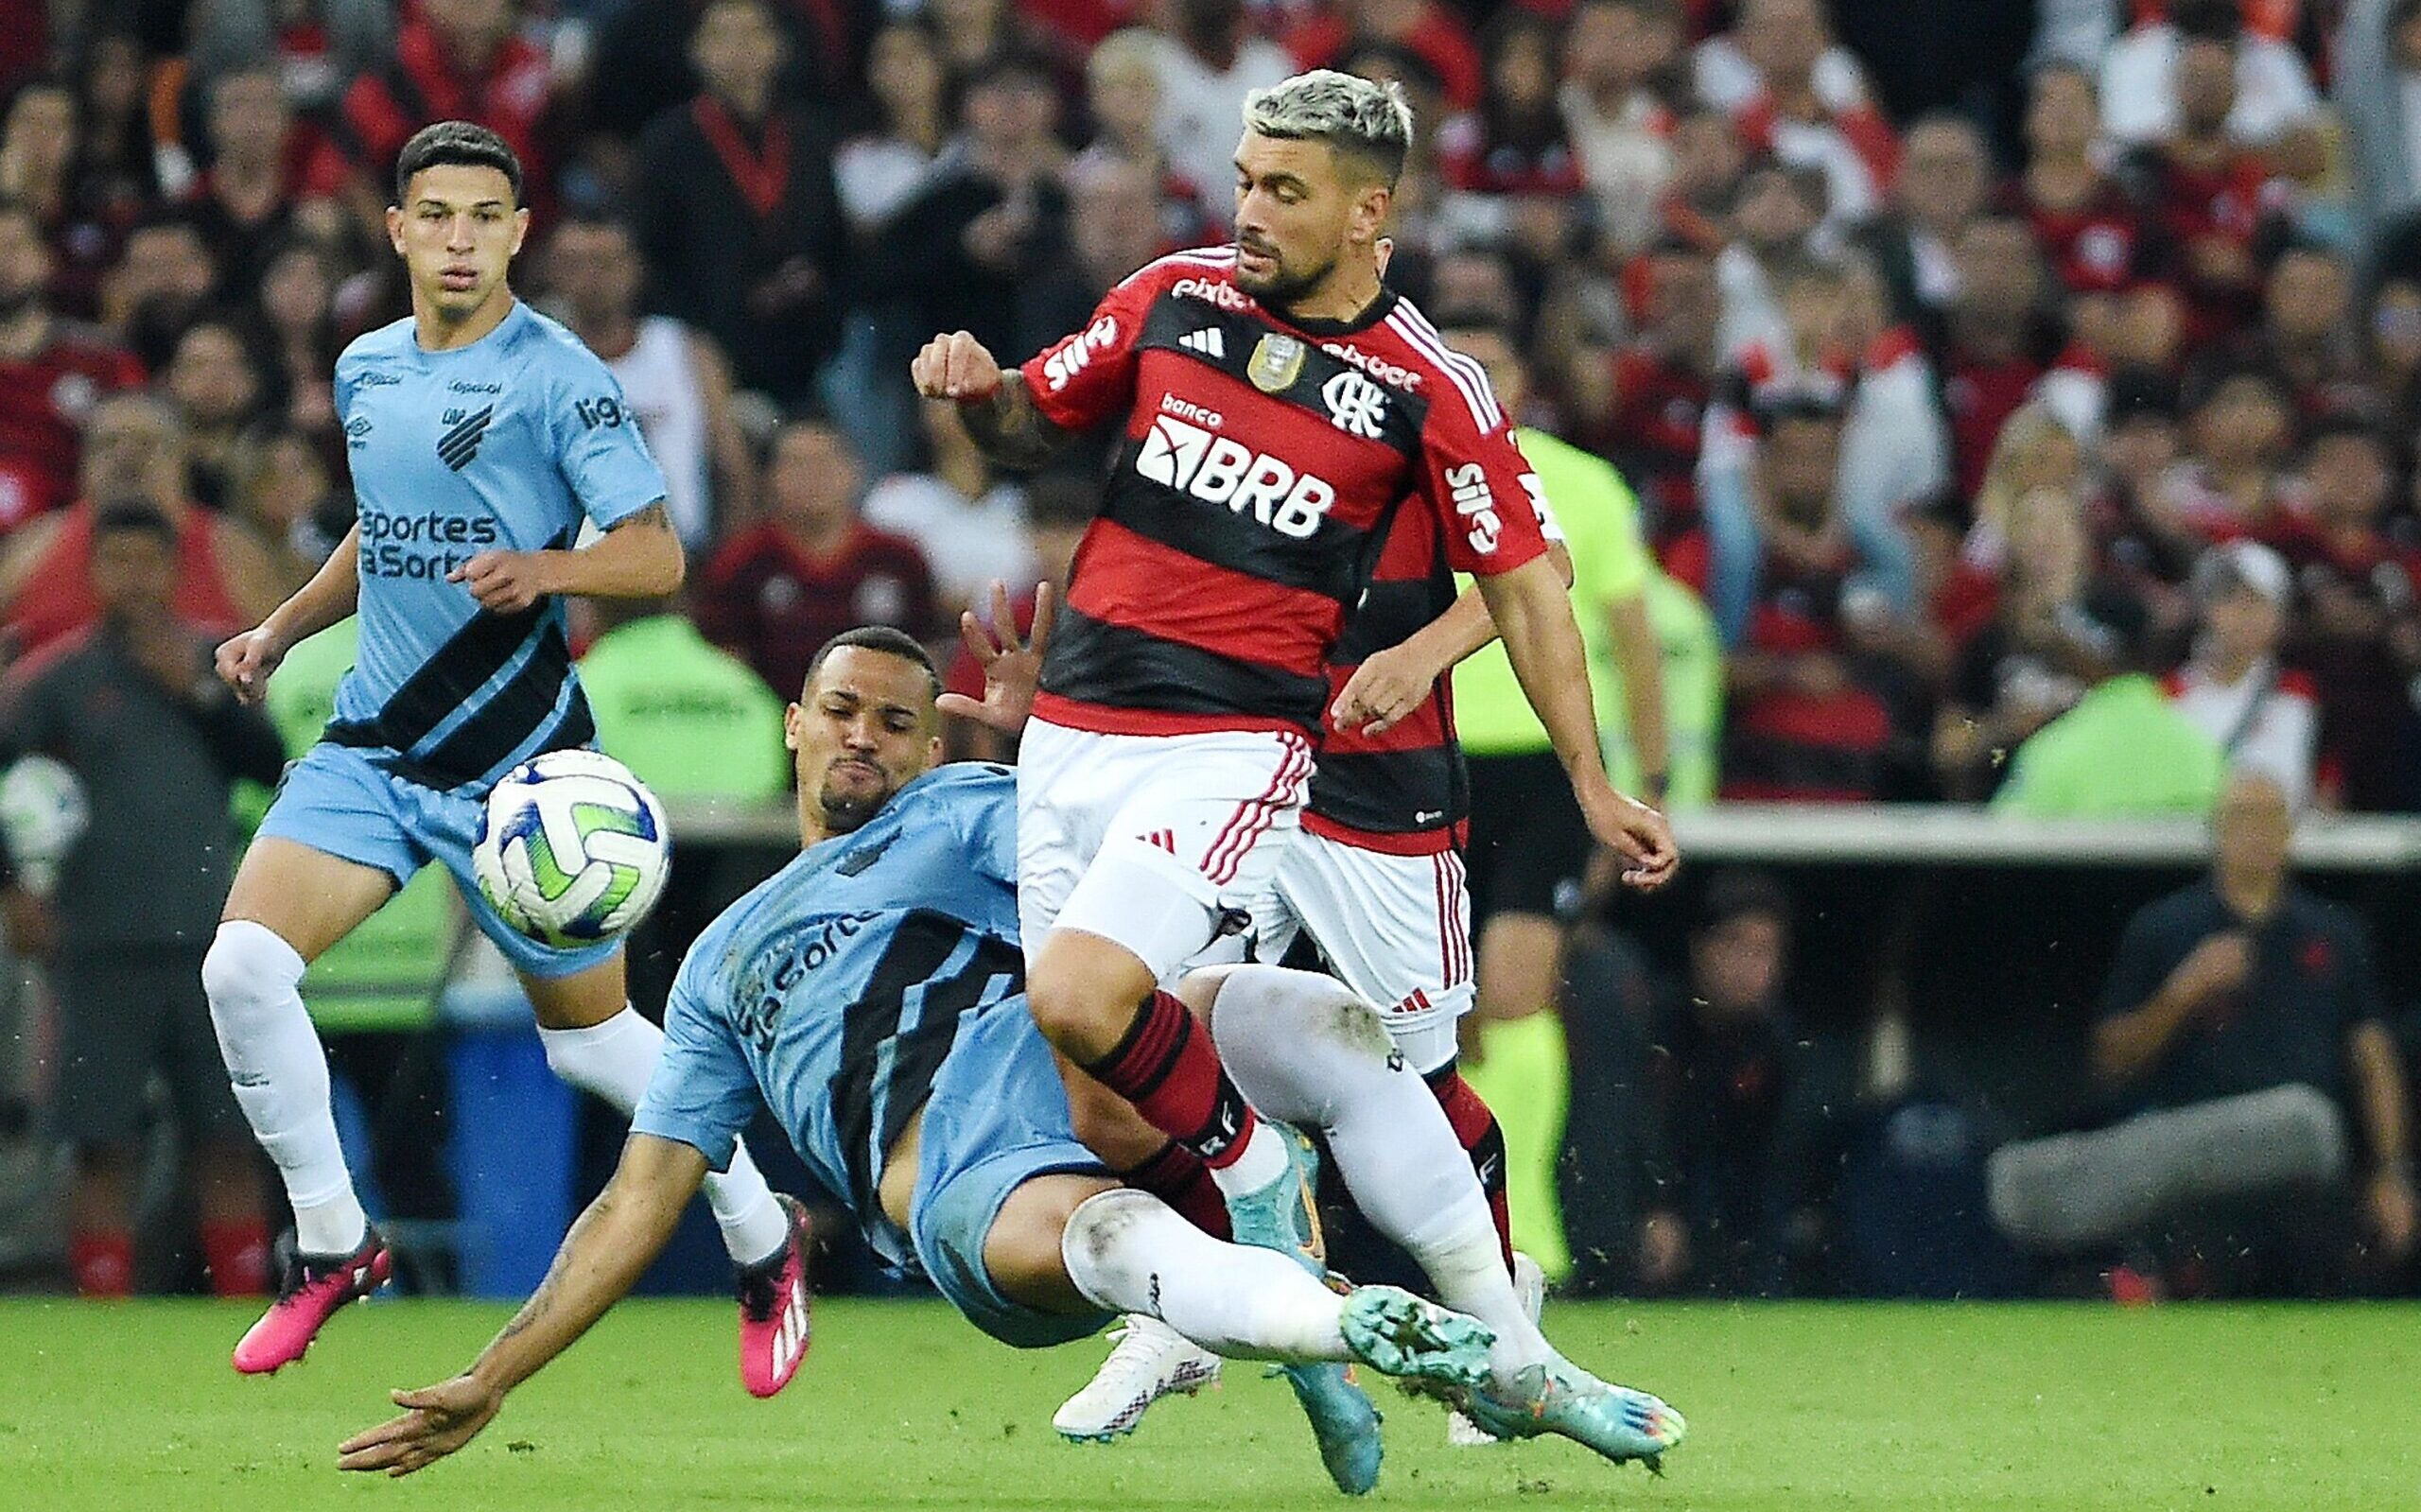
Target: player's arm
column 1012, row 667
column 638, row 557
column 602, row 1259
column 1392, row 682
column 1022, row 417
column 247, row 660
column 998, row 407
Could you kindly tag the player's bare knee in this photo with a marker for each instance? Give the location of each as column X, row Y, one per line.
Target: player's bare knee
column 1083, row 995
column 1024, row 1248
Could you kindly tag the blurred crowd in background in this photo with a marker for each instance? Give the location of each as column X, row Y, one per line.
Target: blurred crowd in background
column 2017, row 401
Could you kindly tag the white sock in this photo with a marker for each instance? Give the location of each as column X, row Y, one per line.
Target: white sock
column 1262, row 1161
column 1131, row 1252
column 280, row 1075
column 1306, row 1050
column 614, row 1059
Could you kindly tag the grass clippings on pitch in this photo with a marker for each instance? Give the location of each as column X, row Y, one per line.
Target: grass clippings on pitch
column 1792, row 1409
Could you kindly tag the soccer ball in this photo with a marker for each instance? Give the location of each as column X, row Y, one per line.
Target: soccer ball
column 43, row 813
column 573, row 849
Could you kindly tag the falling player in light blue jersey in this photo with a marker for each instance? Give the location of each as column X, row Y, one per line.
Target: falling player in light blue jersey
column 872, row 992
column 482, row 436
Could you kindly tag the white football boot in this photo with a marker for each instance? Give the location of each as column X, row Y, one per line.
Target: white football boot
column 1151, row 1360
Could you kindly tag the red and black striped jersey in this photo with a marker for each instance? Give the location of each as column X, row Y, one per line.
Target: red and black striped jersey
column 1262, row 464
column 1403, row 791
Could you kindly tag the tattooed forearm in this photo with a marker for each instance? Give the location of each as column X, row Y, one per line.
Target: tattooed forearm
column 1010, row 429
column 655, row 517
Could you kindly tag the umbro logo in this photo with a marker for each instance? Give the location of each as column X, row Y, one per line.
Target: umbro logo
column 461, row 441
column 1210, row 341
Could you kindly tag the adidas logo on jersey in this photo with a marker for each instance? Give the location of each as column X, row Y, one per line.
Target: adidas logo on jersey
column 461, row 441
column 1218, row 470
column 1210, row 341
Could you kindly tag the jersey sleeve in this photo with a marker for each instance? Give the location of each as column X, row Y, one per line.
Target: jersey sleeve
column 598, row 443
column 986, row 813
column 1476, row 481
column 1088, row 376
column 701, row 1092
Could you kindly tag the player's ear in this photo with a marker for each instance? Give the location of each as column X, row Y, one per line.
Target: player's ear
column 791, row 717
column 1368, row 216
column 521, row 229
column 396, row 228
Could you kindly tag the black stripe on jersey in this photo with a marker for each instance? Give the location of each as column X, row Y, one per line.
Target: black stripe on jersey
column 445, row 683
column 1382, row 792
column 505, row 722
column 1092, row 661
column 1325, row 384
column 1327, row 562
column 922, row 945
column 1390, row 613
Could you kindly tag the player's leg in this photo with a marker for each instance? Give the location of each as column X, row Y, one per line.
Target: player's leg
column 1307, row 1051
column 1193, row 822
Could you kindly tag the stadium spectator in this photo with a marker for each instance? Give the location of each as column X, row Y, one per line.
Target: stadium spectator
column 879, row 169
column 1509, row 165
column 135, row 900
column 286, row 497
column 162, row 284
column 270, row 177
column 990, row 215
column 41, row 153
column 2305, row 335
column 966, row 518
column 1122, row 97
column 2377, row 57
column 2233, row 686
column 1643, row 405
column 2209, row 197
column 216, row 385
column 316, row 47
column 676, row 379
column 2242, row 1029
column 294, row 309
column 2089, row 230
column 1622, row 95
column 1991, row 358
column 2138, row 540
column 1437, row 36
column 737, row 212
column 51, row 374
column 134, row 453
column 1724, row 1175
column 1800, row 111
column 1801, row 725
column 2356, row 619
column 2037, row 653
column 812, row 568
column 1944, row 178
column 1114, row 226
column 2123, row 748
column 2148, row 86
column 643, row 65
column 2239, row 432
column 1209, row 59
column 454, row 60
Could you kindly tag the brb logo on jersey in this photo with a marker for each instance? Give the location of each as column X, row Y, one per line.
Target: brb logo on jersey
column 1068, row 361
column 1217, row 470
column 1355, row 405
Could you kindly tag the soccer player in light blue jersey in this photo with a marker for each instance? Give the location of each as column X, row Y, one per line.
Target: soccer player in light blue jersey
column 482, row 436
column 872, row 993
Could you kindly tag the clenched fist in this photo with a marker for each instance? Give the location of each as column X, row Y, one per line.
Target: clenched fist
column 955, row 367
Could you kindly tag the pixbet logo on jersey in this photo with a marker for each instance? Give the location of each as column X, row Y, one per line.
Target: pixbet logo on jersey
column 1217, row 470
column 1064, row 364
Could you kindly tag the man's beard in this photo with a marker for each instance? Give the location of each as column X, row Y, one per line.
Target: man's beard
column 846, row 813
column 1280, row 289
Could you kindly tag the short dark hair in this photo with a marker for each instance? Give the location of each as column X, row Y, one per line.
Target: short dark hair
column 464, row 144
column 882, row 638
column 1743, row 894
column 128, row 517
column 2220, row 21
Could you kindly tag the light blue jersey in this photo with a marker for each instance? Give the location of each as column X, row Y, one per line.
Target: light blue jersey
column 839, row 987
column 505, row 444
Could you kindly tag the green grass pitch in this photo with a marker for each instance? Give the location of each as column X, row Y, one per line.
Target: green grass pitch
column 1804, row 1408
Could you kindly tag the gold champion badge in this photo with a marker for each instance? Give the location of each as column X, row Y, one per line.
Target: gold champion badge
column 1277, row 362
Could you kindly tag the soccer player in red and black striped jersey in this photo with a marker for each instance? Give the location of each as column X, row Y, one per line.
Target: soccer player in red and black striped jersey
column 1279, row 408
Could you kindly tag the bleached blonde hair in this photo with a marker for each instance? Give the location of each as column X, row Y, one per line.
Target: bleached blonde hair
column 1369, row 119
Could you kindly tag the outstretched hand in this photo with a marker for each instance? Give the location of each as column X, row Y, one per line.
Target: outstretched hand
column 1012, row 667
column 437, row 1421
